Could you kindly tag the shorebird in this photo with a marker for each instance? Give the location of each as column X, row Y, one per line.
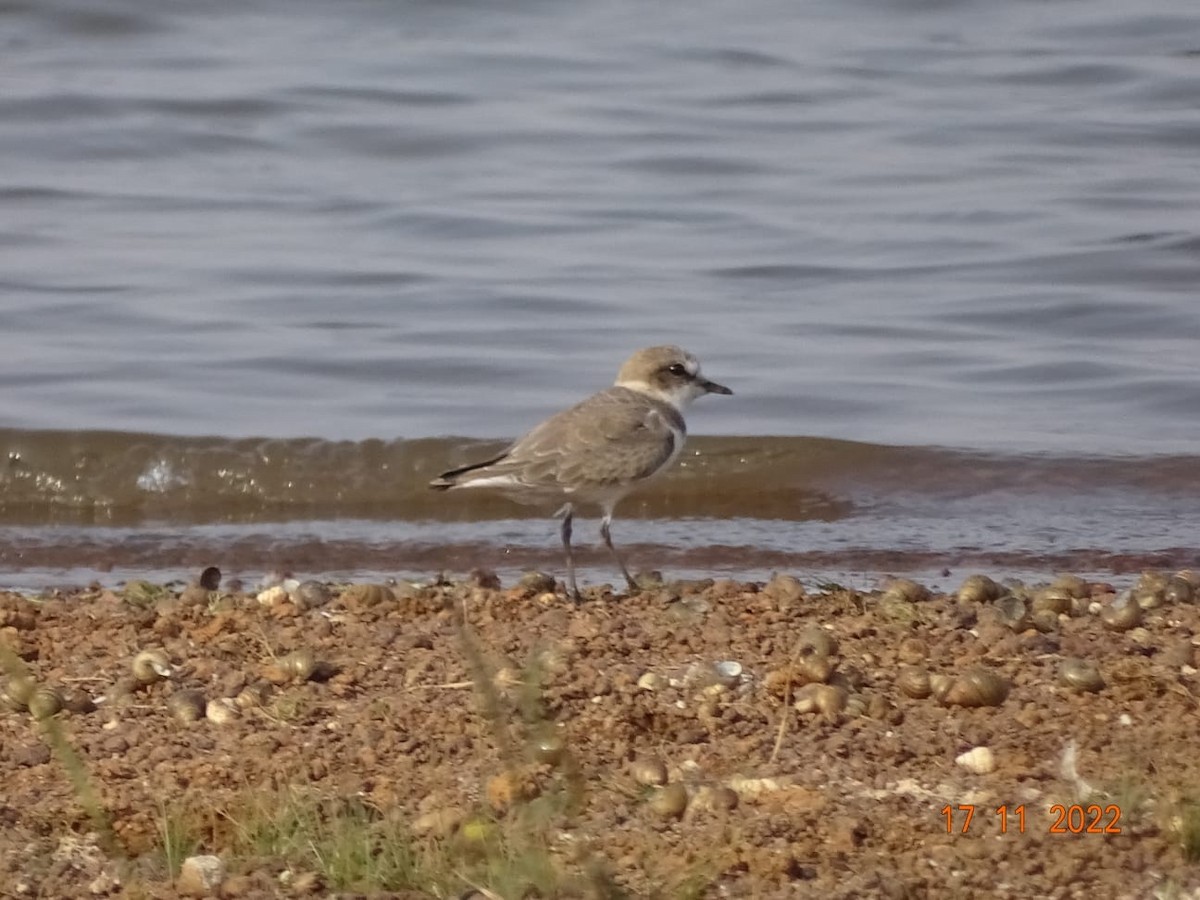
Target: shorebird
column 599, row 450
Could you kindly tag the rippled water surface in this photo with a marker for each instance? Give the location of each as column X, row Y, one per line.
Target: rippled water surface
column 914, row 225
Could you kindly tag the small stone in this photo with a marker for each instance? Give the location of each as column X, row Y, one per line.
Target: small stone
column 200, row 876
column 484, row 578
column 192, row 595
column 439, row 823
column 107, row 882
column 29, row 755
column 508, row 789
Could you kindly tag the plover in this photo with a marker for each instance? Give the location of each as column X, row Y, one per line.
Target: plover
column 599, row 450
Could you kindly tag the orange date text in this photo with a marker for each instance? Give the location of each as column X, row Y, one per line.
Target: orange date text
column 1074, row 818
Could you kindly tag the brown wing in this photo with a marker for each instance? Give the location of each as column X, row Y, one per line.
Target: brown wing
column 615, row 437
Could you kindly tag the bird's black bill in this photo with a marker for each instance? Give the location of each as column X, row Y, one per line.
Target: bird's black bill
column 712, row 387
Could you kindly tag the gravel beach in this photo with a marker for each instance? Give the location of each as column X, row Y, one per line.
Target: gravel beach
column 700, row 739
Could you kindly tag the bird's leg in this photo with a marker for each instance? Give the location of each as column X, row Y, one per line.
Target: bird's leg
column 605, row 522
column 572, row 588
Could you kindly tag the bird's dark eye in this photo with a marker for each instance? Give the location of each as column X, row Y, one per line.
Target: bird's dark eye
column 678, row 369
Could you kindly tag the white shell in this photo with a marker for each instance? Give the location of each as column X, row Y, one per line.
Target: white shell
column 652, row 681
column 980, row 760
column 728, row 672
column 273, row 595
column 221, row 710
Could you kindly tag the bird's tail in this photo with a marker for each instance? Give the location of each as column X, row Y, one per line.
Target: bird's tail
column 450, row 479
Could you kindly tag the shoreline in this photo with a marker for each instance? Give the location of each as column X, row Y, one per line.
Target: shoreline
column 70, row 563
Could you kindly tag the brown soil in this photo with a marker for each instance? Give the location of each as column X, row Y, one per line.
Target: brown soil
column 506, row 721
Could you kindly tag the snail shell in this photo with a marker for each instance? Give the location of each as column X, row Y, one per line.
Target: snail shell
column 16, row 692
column 816, row 641
column 649, row 770
column 912, row 650
column 549, row 748
column 980, row 760
column 536, row 582
column 878, row 707
column 1191, row 576
column 150, row 666
column 856, row 705
column 827, row 699
column 1052, row 599
column 1072, row 586
column 301, row 665
column 670, row 801
column 1081, row 675
column 1147, row 598
column 728, row 672
column 717, row 799
column 1044, row 620
column 365, row 596
column 652, row 681
column 1148, row 592
column 914, row 683
column 45, row 702
column 186, row 706
column 978, row 589
column 905, row 590
column 220, row 710
column 1011, row 612
column 813, row 669
column 973, row 688
column 1179, row 590
column 1124, row 613
column 272, row 596
column 252, row 695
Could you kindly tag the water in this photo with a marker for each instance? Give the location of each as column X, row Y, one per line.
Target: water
column 949, row 238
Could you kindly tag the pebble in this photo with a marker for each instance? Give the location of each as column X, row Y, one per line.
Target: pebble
column 200, row 876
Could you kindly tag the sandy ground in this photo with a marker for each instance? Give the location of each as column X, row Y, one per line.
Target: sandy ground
column 515, row 745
